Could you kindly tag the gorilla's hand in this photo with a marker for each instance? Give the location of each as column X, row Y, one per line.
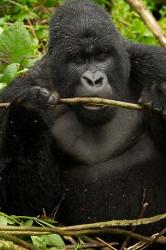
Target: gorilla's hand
column 154, row 97
column 34, row 105
column 43, row 97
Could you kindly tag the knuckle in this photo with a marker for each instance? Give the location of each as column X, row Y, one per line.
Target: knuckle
column 44, row 91
column 53, row 99
column 35, row 89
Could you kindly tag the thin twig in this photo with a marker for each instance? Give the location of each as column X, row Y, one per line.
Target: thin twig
column 89, row 245
column 46, row 230
column 143, row 208
column 157, row 236
column 118, row 223
column 100, row 101
column 4, row 105
column 106, row 244
column 100, row 225
column 94, row 228
column 95, row 101
column 137, row 246
column 92, row 101
column 87, row 229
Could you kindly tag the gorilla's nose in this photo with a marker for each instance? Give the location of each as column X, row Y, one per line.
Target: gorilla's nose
column 93, row 79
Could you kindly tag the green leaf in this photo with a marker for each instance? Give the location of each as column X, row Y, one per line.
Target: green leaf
column 29, row 223
column 5, row 221
column 52, row 240
column 39, row 241
column 10, row 72
column 16, row 44
column 1, row 30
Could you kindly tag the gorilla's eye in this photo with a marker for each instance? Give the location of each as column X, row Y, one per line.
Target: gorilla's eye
column 101, row 57
column 78, row 60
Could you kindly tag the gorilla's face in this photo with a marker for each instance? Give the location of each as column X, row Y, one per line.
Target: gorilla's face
column 88, row 59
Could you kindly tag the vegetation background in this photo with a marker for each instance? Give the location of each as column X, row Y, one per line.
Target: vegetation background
column 24, row 30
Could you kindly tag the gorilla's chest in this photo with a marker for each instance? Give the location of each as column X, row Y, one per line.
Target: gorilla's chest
column 95, row 144
column 106, row 169
column 114, row 189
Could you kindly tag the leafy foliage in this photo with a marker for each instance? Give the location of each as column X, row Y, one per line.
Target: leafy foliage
column 16, row 44
column 130, row 25
column 42, row 242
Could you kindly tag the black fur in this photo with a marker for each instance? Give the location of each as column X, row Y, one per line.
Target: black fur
column 87, row 165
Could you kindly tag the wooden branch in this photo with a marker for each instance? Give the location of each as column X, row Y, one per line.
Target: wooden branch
column 106, row 244
column 99, row 101
column 96, row 101
column 45, row 230
column 143, row 209
column 88, row 245
column 118, row 223
column 157, row 236
column 93, row 101
column 4, row 105
column 148, row 19
column 109, row 227
column 97, row 225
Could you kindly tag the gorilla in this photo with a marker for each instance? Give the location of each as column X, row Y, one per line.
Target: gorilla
column 86, row 163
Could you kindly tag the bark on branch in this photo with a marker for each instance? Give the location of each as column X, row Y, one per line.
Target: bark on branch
column 99, row 101
column 37, row 231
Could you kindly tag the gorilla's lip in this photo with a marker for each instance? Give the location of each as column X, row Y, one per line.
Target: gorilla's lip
column 93, row 107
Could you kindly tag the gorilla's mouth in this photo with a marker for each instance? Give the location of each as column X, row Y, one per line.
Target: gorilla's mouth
column 93, row 107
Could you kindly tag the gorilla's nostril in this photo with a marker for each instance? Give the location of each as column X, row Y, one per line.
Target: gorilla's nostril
column 99, row 82
column 88, row 81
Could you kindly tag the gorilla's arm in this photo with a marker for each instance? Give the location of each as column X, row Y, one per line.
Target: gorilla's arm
column 148, row 79
column 26, row 143
column 148, row 64
column 148, row 74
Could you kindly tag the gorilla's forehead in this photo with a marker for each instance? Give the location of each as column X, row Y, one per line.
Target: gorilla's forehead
column 87, row 25
column 81, row 21
column 84, row 45
column 86, row 36
column 89, row 46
